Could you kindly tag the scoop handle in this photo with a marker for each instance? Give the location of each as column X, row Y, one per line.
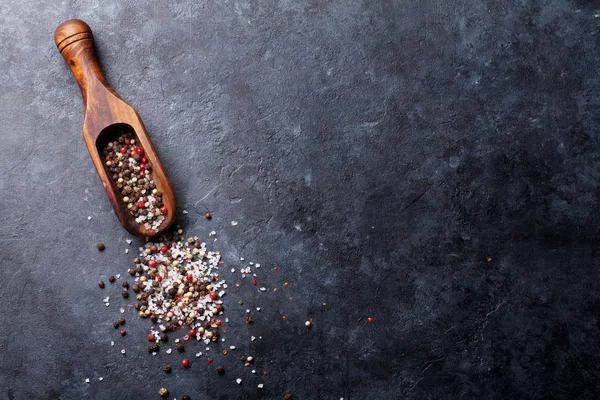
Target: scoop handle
column 75, row 42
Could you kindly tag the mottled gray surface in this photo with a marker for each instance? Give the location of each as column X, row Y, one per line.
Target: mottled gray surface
column 377, row 151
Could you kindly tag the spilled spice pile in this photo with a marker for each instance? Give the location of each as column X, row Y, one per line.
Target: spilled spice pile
column 132, row 174
column 177, row 285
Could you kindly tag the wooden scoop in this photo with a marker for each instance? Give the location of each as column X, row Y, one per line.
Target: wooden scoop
column 106, row 116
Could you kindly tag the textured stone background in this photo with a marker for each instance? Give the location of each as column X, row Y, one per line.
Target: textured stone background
column 377, row 151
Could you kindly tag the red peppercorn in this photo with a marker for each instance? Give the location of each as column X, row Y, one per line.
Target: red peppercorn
column 370, row 319
column 164, row 249
column 141, row 204
column 123, row 150
column 189, row 278
column 127, row 141
column 152, row 263
column 254, row 280
column 159, row 278
column 164, row 209
column 186, row 337
column 209, row 360
column 213, row 295
column 122, row 332
column 142, row 167
column 185, row 363
column 286, row 284
column 192, row 332
column 151, row 337
column 218, row 322
column 138, row 151
column 144, row 160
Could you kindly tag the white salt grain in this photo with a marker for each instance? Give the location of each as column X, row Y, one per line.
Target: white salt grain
column 118, row 276
column 257, row 308
column 185, row 212
column 121, row 310
column 169, row 351
column 89, row 218
column 234, row 223
column 253, row 371
column 252, row 338
column 241, row 258
column 128, row 241
column 257, row 266
column 101, row 379
column 260, row 385
column 126, row 251
column 239, row 381
column 123, row 351
column 112, row 343
column 87, row 380
column 263, row 289
column 232, row 347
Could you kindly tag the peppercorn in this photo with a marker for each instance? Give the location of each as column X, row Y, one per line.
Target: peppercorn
column 121, row 321
column 131, row 271
column 179, row 347
column 101, row 284
column 163, row 392
column 137, row 305
column 135, row 288
column 207, row 215
column 167, row 369
column 220, row 370
column 243, row 358
column 307, row 324
column 153, row 248
column 185, row 363
column 186, row 397
column 125, row 284
column 288, row 397
column 153, row 318
column 123, row 332
column 111, row 279
column 100, row 246
column 116, row 324
column 125, row 293
column 153, row 348
column 249, row 320
column 137, row 260
column 163, row 337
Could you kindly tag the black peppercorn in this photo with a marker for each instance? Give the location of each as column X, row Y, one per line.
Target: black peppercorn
column 111, row 279
column 125, row 293
column 163, row 337
column 116, row 324
column 125, row 284
column 153, row 348
column 137, row 260
column 220, row 370
column 288, row 397
column 101, row 285
column 167, row 369
column 100, row 246
column 121, row 321
column 131, row 271
column 186, row 397
column 153, row 318
column 243, row 358
column 179, row 347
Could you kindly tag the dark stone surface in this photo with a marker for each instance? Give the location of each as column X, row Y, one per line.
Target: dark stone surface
column 377, row 151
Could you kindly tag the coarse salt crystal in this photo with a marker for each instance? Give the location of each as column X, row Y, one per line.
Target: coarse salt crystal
column 198, row 354
column 107, row 304
column 169, row 351
column 257, row 266
column 232, row 269
column 252, row 338
column 185, row 212
column 257, row 308
column 226, row 319
column 241, row 258
column 260, row 385
column 87, row 380
column 121, row 310
column 112, row 343
column 118, row 276
column 263, row 289
column 234, row 223
column 248, row 311
column 253, row 371
column 101, row 379
column 89, row 218
column 239, row 381
column 232, row 347
column 126, row 251
column 128, row 241
column 123, row 351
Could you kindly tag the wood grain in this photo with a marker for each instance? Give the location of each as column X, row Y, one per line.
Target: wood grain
column 103, row 108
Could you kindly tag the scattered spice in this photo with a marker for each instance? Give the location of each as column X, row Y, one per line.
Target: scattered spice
column 220, row 370
column 123, row 332
column 167, row 369
column 101, row 284
column 308, row 324
column 111, row 279
column 370, row 319
column 186, row 397
column 288, row 396
column 207, row 215
column 163, row 392
column 179, row 347
column 100, row 246
column 185, row 363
